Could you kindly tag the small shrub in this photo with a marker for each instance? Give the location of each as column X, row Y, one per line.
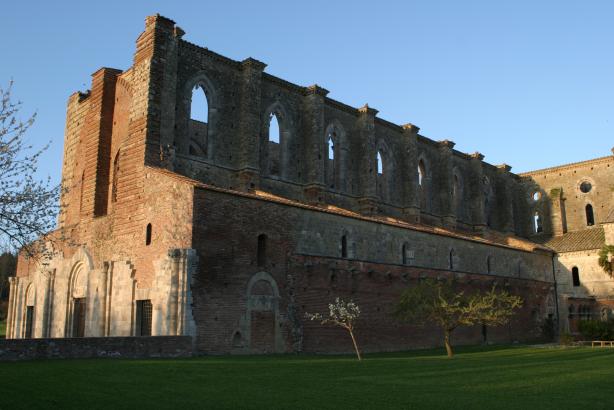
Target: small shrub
column 596, row 329
column 566, row 339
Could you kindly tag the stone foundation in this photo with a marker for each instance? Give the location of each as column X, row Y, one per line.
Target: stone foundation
column 96, row 347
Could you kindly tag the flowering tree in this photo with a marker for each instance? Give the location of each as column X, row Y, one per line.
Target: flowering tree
column 439, row 303
column 343, row 314
column 28, row 206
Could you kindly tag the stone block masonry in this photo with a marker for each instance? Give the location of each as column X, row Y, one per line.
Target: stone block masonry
column 96, row 347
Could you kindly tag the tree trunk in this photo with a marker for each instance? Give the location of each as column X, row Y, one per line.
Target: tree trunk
column 355, row 345
column 446, row 342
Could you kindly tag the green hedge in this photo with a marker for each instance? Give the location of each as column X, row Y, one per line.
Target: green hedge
column 596, row 329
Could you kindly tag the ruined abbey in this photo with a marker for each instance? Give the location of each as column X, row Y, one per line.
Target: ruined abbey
column 228, row 225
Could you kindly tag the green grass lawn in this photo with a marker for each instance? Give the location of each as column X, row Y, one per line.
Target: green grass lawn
column 492, row 378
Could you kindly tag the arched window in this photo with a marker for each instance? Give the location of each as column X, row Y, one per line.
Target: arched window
column 274, row 132
column 115, row 178
column 199, row 110
column 82, row 190
column 537, row 223
column 261, row 255
column 457, row 196
column 380, row 163
column 575, row 276
column 451, row 257
column 199, row 121
column 344, row 246
column 148, row 235
column 455, row 187
column 421, row 173
column 237, row 339
column 590, row 217
column 489, row 264
column 331, row 170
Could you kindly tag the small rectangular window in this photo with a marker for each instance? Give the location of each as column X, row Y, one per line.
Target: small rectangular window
column 143, row 317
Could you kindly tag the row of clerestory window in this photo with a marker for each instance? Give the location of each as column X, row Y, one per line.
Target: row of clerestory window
column 407, row 255
column 538, row 223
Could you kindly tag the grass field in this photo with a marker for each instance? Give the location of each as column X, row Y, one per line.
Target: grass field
column 504, row 377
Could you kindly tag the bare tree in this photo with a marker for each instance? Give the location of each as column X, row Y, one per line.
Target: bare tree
column 439, row 303
column 28, row 205
column 343, row 314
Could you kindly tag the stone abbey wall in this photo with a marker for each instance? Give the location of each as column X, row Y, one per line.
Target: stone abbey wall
column 455, row 190
column 304, row 268
column 576, row 204
column 561, row 195
column 162, row 208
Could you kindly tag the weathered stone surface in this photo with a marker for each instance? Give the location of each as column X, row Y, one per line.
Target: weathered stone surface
column 96, row 347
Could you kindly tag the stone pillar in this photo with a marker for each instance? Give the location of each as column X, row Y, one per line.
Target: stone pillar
column 181, row 321
column 446, row 199
column 313, row 131
column 505, row 199
column 107, row 280
column 96, row 137
column 156, row 61
column 367, row 173
column 411, row 210
column 167, row 89
column 477, row 193
column 557, row 212
column 251, row 90
column 10, row 322
column 48, row 305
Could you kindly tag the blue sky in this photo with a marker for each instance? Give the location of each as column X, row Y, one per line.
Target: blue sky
column 528, row 83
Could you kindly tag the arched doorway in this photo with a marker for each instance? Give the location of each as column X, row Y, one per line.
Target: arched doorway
column 77, row 302
column 263, row 313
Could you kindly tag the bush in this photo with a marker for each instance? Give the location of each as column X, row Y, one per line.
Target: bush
column 566, row 339
column 596, row 329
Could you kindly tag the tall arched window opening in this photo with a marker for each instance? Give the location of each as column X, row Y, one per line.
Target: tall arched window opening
column 489, row 264
column 344, row 246
column 537, row 223
column 575, row 276
column 148, row 235
column 82, row 190
column 331, row 163
column 590, row 216
column 274, row 133
column 199, row 121
column 457, row 196
column 115, row 178
column 421, row 173
column 261, row 255
column 451, row 257
column 380, row 164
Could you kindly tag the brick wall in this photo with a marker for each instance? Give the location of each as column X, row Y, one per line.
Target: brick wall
column 304, row 260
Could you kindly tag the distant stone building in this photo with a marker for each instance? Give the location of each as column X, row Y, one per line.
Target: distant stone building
column 230, row 223
column 573, row 214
